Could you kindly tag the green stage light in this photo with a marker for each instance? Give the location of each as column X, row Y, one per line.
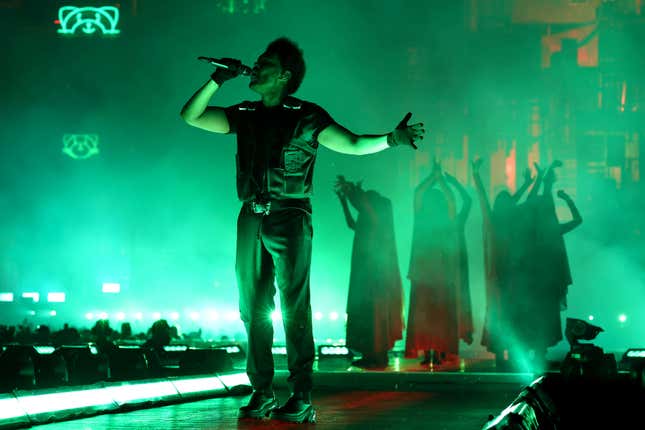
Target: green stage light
column 6, row 297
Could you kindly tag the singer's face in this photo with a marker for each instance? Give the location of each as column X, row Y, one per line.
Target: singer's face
column 266, row 74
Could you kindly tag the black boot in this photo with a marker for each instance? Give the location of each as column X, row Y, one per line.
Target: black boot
column 297, row 409
column 260, row 405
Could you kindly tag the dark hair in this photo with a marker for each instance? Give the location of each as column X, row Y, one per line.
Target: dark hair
column 291, row 58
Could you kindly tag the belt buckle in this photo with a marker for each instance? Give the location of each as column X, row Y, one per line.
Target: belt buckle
column 261, row 207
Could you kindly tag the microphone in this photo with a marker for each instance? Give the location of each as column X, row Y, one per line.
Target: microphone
column 217, row 62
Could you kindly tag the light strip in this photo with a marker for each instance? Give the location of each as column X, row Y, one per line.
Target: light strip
column 56, row 297
column 30, row 407
column 146, row 392
column 192, row 386
column 6, row 297
column 10, row 408
column 64, row 401
column 235, row 379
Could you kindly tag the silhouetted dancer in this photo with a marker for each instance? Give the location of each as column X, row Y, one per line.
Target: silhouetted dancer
column 502, row 267
column 374, row 302
column 464, row 309
column 538, row 323
column 277, row 142
column 434, row 273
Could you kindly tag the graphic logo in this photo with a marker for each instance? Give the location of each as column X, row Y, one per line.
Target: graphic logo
column 81, row 146
column 88, row 19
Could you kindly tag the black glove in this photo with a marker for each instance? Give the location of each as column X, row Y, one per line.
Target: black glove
column 405, row 134
column 221, row 75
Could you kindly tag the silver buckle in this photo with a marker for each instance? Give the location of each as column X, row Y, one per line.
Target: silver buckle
column 261, row 208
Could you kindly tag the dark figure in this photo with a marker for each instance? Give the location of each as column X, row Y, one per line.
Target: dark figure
column 160, row 336
column 502, row 266
column 542, row 296
column 277, row 141
column 374, row 302
column 103, row 335
column 464, row 309
column 435, row 269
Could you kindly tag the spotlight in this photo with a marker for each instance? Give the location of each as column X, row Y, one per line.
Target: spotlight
column 577, row 329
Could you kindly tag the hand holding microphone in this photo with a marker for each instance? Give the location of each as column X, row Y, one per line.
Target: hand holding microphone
column 226, row 69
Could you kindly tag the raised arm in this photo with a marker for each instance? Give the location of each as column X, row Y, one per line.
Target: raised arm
column 525, row 186
column 422, row 188
column 549, row 178
column 481, row 192
column 566, row 227
column 450, row 196
column 340, row 188
column 538, row 182
column 196, row 111
column 467, row 201
column 339, row 139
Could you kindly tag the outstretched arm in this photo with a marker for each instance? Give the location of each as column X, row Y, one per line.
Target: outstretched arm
column 339, row 139
column 467, row 201
column 577, row 219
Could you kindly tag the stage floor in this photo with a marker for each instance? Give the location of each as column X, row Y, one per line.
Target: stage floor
column 406, row 395
column 336, row 409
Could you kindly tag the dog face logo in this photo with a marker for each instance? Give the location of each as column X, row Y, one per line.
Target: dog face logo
column 88, row 19
column 81, row 146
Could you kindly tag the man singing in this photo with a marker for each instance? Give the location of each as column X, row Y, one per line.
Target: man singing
column 277, row 140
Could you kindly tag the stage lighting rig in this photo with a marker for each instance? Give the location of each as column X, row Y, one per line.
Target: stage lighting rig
column 586, row 359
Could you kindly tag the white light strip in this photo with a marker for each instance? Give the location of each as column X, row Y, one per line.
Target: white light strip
column 6, row 297
column 56, row 297
column 33, row 296
column 44, row 403
column 235, row 379
column 10, row 408
column 111, row 288
column 136, row 393
column 191, row 386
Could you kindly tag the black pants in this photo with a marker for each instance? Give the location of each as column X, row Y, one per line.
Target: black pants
column 276, row 247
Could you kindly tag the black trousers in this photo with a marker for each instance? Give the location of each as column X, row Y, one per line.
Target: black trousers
column 275, row 249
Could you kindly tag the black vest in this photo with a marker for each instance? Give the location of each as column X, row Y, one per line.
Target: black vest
column 276, row 148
